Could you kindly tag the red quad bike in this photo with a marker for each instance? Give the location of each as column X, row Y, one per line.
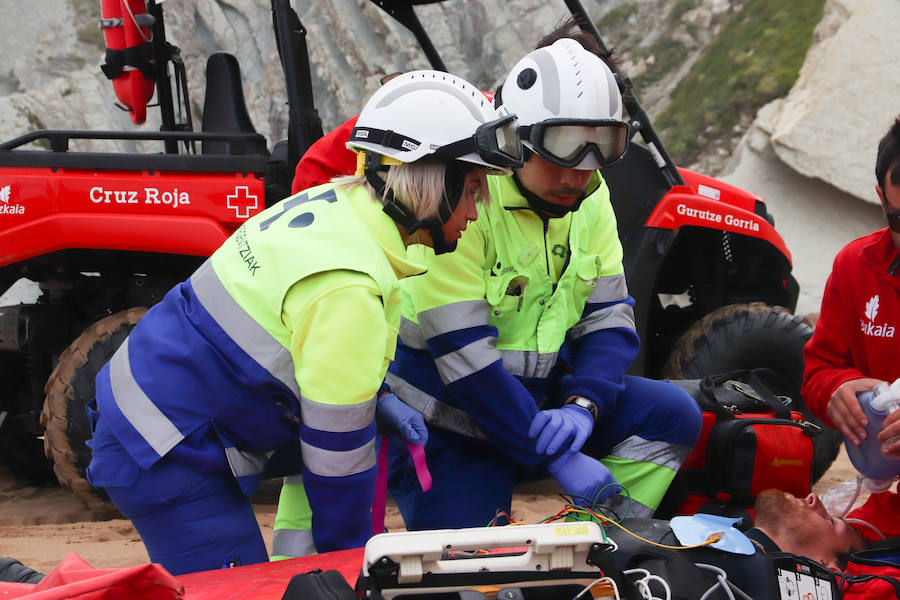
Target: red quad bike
column 106, row 235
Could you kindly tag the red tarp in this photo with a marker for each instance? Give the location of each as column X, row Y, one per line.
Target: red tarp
column 74, row 578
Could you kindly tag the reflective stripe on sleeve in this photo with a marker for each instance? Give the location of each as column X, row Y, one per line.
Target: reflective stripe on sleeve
column 332, row 463
column 611, row 317
column 336, row 417
column 609, row 289
column 529, row 363
column 433, row 410
column 141, row 412
column 412, row 335
column 455, row 316
column 469, row 359
column 240, row 327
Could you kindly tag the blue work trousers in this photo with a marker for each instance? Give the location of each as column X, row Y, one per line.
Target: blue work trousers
column 188, row 520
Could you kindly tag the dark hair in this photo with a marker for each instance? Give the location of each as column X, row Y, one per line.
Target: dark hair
column 889, row 156
column 570, row 28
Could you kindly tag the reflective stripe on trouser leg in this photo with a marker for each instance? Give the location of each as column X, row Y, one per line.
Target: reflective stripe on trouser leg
column 292, row 535
column 646, row 469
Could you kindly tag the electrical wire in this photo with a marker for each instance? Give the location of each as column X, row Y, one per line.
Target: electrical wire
column 723, row 582
column 608, row 580
column 574, row 509
column 643, row 584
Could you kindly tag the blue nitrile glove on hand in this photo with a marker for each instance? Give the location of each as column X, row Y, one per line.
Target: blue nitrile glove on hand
column 582, row 477
column 555, row 427
column 391, row 412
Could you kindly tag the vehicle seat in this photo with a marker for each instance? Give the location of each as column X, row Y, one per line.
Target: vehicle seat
column 224, row 109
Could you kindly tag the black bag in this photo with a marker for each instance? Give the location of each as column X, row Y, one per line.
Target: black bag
column 319, row 585
column 750, row 441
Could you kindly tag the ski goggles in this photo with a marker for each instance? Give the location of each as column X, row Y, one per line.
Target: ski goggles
column 567, row 142
column 496, row 142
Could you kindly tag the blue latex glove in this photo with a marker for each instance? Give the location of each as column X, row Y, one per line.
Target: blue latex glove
column 583, row 478
column 559, row 426
column 391, row 412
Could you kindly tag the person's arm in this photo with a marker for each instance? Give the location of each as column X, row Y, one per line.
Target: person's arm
column 604, row 342
column 326, row 159
column 338, row 345
column 830, row 379
column 453, row 313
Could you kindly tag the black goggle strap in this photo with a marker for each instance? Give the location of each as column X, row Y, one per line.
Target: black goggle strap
column 484, row 143
column 398, row 212
column 454, row 183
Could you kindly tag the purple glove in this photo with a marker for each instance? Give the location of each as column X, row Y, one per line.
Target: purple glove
column 399, row 418
column 584, row 478
column 557, row 427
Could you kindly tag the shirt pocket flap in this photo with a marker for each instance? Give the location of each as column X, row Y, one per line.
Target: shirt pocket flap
column 507, row 286
column 588, row 269
column 112, row 471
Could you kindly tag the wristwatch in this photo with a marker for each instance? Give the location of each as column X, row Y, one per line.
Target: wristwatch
column 584, row 403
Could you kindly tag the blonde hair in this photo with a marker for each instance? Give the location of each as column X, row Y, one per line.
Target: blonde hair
column 419, row 186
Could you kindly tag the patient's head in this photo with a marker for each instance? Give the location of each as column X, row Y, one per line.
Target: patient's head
column 803, row 526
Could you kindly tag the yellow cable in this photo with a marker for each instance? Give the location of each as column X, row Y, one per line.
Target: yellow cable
column 712, row 539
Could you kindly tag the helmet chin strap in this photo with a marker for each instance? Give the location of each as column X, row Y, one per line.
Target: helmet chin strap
column 454, row 183
column 544, row 208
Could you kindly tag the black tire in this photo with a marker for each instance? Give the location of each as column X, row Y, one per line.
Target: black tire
column 69, row 389
column 756, row 335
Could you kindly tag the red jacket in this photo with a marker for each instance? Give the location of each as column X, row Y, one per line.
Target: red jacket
column 858, row 331
column 327, row 158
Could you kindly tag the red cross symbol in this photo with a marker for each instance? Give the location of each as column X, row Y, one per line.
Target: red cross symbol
column 242, row 202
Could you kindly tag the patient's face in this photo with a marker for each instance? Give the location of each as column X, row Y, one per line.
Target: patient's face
column 806, row 527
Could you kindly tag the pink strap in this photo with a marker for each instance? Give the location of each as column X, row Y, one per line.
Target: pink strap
column 381, row 478
column 417, row 452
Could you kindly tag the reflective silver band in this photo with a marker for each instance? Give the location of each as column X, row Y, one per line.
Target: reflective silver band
column 336, row 417
column 338, row 463
column 141, row 412
column 611, row 317
column 620, row 503
column 435, row 412
column 292, row 542
column 412, row 335
column 455, row 316
column 609, row 289
column 664, row 454
column 529, row 363
column 293, row 479
column 240, row 327
column 469, row 359
column 244, row 463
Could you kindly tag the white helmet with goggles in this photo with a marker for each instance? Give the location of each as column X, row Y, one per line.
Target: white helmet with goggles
column 568, row 105
column 432, row 114
column 437, row 116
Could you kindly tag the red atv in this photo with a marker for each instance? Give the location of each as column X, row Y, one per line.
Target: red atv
column 105, row 235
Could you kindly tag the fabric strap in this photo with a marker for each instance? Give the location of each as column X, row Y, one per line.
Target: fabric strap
column 417, row 452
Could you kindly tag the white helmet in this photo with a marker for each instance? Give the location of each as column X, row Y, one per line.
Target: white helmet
column 568, row 105
column 438, row 115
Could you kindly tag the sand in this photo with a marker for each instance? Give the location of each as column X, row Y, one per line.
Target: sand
column 40, row 526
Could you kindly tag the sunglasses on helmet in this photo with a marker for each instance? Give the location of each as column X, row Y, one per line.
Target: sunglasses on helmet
column 496, row 142
column 566, row 142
